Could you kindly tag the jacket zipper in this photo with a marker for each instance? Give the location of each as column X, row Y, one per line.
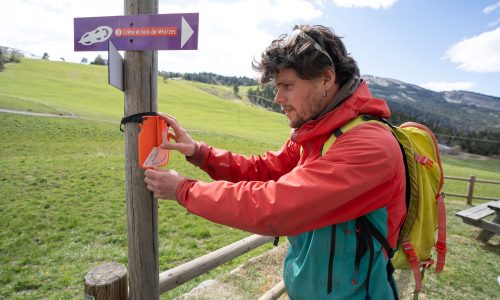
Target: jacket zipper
column 330, row 262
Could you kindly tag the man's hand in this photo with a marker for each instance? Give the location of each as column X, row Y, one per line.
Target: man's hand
column 163, row 183
column 183, row 142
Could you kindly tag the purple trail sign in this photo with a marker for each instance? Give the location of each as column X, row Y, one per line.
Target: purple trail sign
column 137, row 32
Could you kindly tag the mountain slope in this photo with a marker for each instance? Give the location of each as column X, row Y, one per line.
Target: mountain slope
column 458, row 110
column 458, row 118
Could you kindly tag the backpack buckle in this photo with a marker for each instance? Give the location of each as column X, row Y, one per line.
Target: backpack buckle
column 426, row 263
column 440, row 247
column 409, row 251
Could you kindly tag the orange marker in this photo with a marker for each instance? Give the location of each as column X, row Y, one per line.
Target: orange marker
column 154, row 132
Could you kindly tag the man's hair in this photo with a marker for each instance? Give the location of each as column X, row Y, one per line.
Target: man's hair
column 302, row 55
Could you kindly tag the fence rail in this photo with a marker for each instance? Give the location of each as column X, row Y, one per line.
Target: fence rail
column 470, row 189
column 201, row 265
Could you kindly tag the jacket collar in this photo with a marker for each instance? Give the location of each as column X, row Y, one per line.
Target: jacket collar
column 353, row 99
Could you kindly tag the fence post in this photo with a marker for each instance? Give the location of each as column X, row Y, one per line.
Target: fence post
column 470, row 191
column 106, row 282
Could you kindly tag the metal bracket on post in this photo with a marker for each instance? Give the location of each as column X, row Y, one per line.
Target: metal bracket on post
column 115, row 67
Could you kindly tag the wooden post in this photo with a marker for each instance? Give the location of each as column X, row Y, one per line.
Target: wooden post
column 140, row 83
column 275, row 292
column 106, row 282
column 470, row 191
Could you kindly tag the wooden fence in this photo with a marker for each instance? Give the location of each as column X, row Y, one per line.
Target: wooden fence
column 110, row 280
column 470, row 189
column 105, row 282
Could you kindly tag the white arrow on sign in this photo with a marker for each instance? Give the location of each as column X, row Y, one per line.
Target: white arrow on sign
column 186, row 32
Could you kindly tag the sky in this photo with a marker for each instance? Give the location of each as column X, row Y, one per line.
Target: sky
column 437, row 44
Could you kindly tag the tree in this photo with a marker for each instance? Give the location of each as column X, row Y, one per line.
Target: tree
column 84, row 60
column 45, row 56
column 263, row 96
column 2, row 64
column 98, row 61
column 236, row 90
column 15, row 57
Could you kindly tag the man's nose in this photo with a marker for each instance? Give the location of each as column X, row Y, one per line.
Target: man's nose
column 279, row 98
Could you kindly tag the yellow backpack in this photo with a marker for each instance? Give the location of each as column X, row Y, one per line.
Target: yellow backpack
column 425, row 214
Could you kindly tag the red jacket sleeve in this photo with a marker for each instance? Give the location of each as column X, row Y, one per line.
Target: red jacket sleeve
column 225, row 165
column 362, row 172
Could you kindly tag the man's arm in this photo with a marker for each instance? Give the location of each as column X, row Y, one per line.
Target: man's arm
column 362, row 172
column 225, row 165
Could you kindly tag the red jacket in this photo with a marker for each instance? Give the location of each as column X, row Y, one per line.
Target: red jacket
column 287, row 192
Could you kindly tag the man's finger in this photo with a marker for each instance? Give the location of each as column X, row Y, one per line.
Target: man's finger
column 170, row 121
column 172, row 146
column 148, row 173
column 148, row 180
column 172, row 135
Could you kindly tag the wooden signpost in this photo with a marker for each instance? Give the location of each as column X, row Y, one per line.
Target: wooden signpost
column 141, row 32
column 140, row 82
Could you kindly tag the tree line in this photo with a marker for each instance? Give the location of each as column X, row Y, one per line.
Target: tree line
column 264, row 96
column 478, row 141
column 210, row 78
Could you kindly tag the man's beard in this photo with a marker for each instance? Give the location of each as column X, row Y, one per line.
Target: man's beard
column 316, row 105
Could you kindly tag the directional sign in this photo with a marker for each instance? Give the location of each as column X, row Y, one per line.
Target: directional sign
column 137, row 32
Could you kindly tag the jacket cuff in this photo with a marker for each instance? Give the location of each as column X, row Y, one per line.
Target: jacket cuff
column 181, row 194
column 200, row 154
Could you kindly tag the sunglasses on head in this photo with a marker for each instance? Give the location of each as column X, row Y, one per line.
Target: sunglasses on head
column 302, row 34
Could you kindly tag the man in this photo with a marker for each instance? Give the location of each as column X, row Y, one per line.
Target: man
column 310, row 194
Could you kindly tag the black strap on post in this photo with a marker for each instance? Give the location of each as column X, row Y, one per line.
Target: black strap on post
column 136, row 118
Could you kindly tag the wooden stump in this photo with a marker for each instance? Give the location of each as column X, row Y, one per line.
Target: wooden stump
column 107, row 281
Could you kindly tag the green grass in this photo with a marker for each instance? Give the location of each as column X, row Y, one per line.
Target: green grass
column 63, row 208
column 62, row 189
column 482, row 169
column 471, row 267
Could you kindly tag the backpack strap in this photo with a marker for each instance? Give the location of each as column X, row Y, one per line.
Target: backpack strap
column 345, row 128
column 371, row 230
column 329, row 285
column 441, row 240
column 411, row 255
column 365, row 241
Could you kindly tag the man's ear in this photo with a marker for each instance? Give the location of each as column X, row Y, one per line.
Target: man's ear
column 329, row 77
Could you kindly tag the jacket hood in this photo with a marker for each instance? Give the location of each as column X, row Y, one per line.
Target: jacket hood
column 360, row 102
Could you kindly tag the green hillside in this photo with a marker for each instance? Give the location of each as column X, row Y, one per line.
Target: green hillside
column 62, row 189
column 82, row 90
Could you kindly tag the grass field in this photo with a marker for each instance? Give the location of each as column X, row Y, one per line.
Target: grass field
column 62, row 190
